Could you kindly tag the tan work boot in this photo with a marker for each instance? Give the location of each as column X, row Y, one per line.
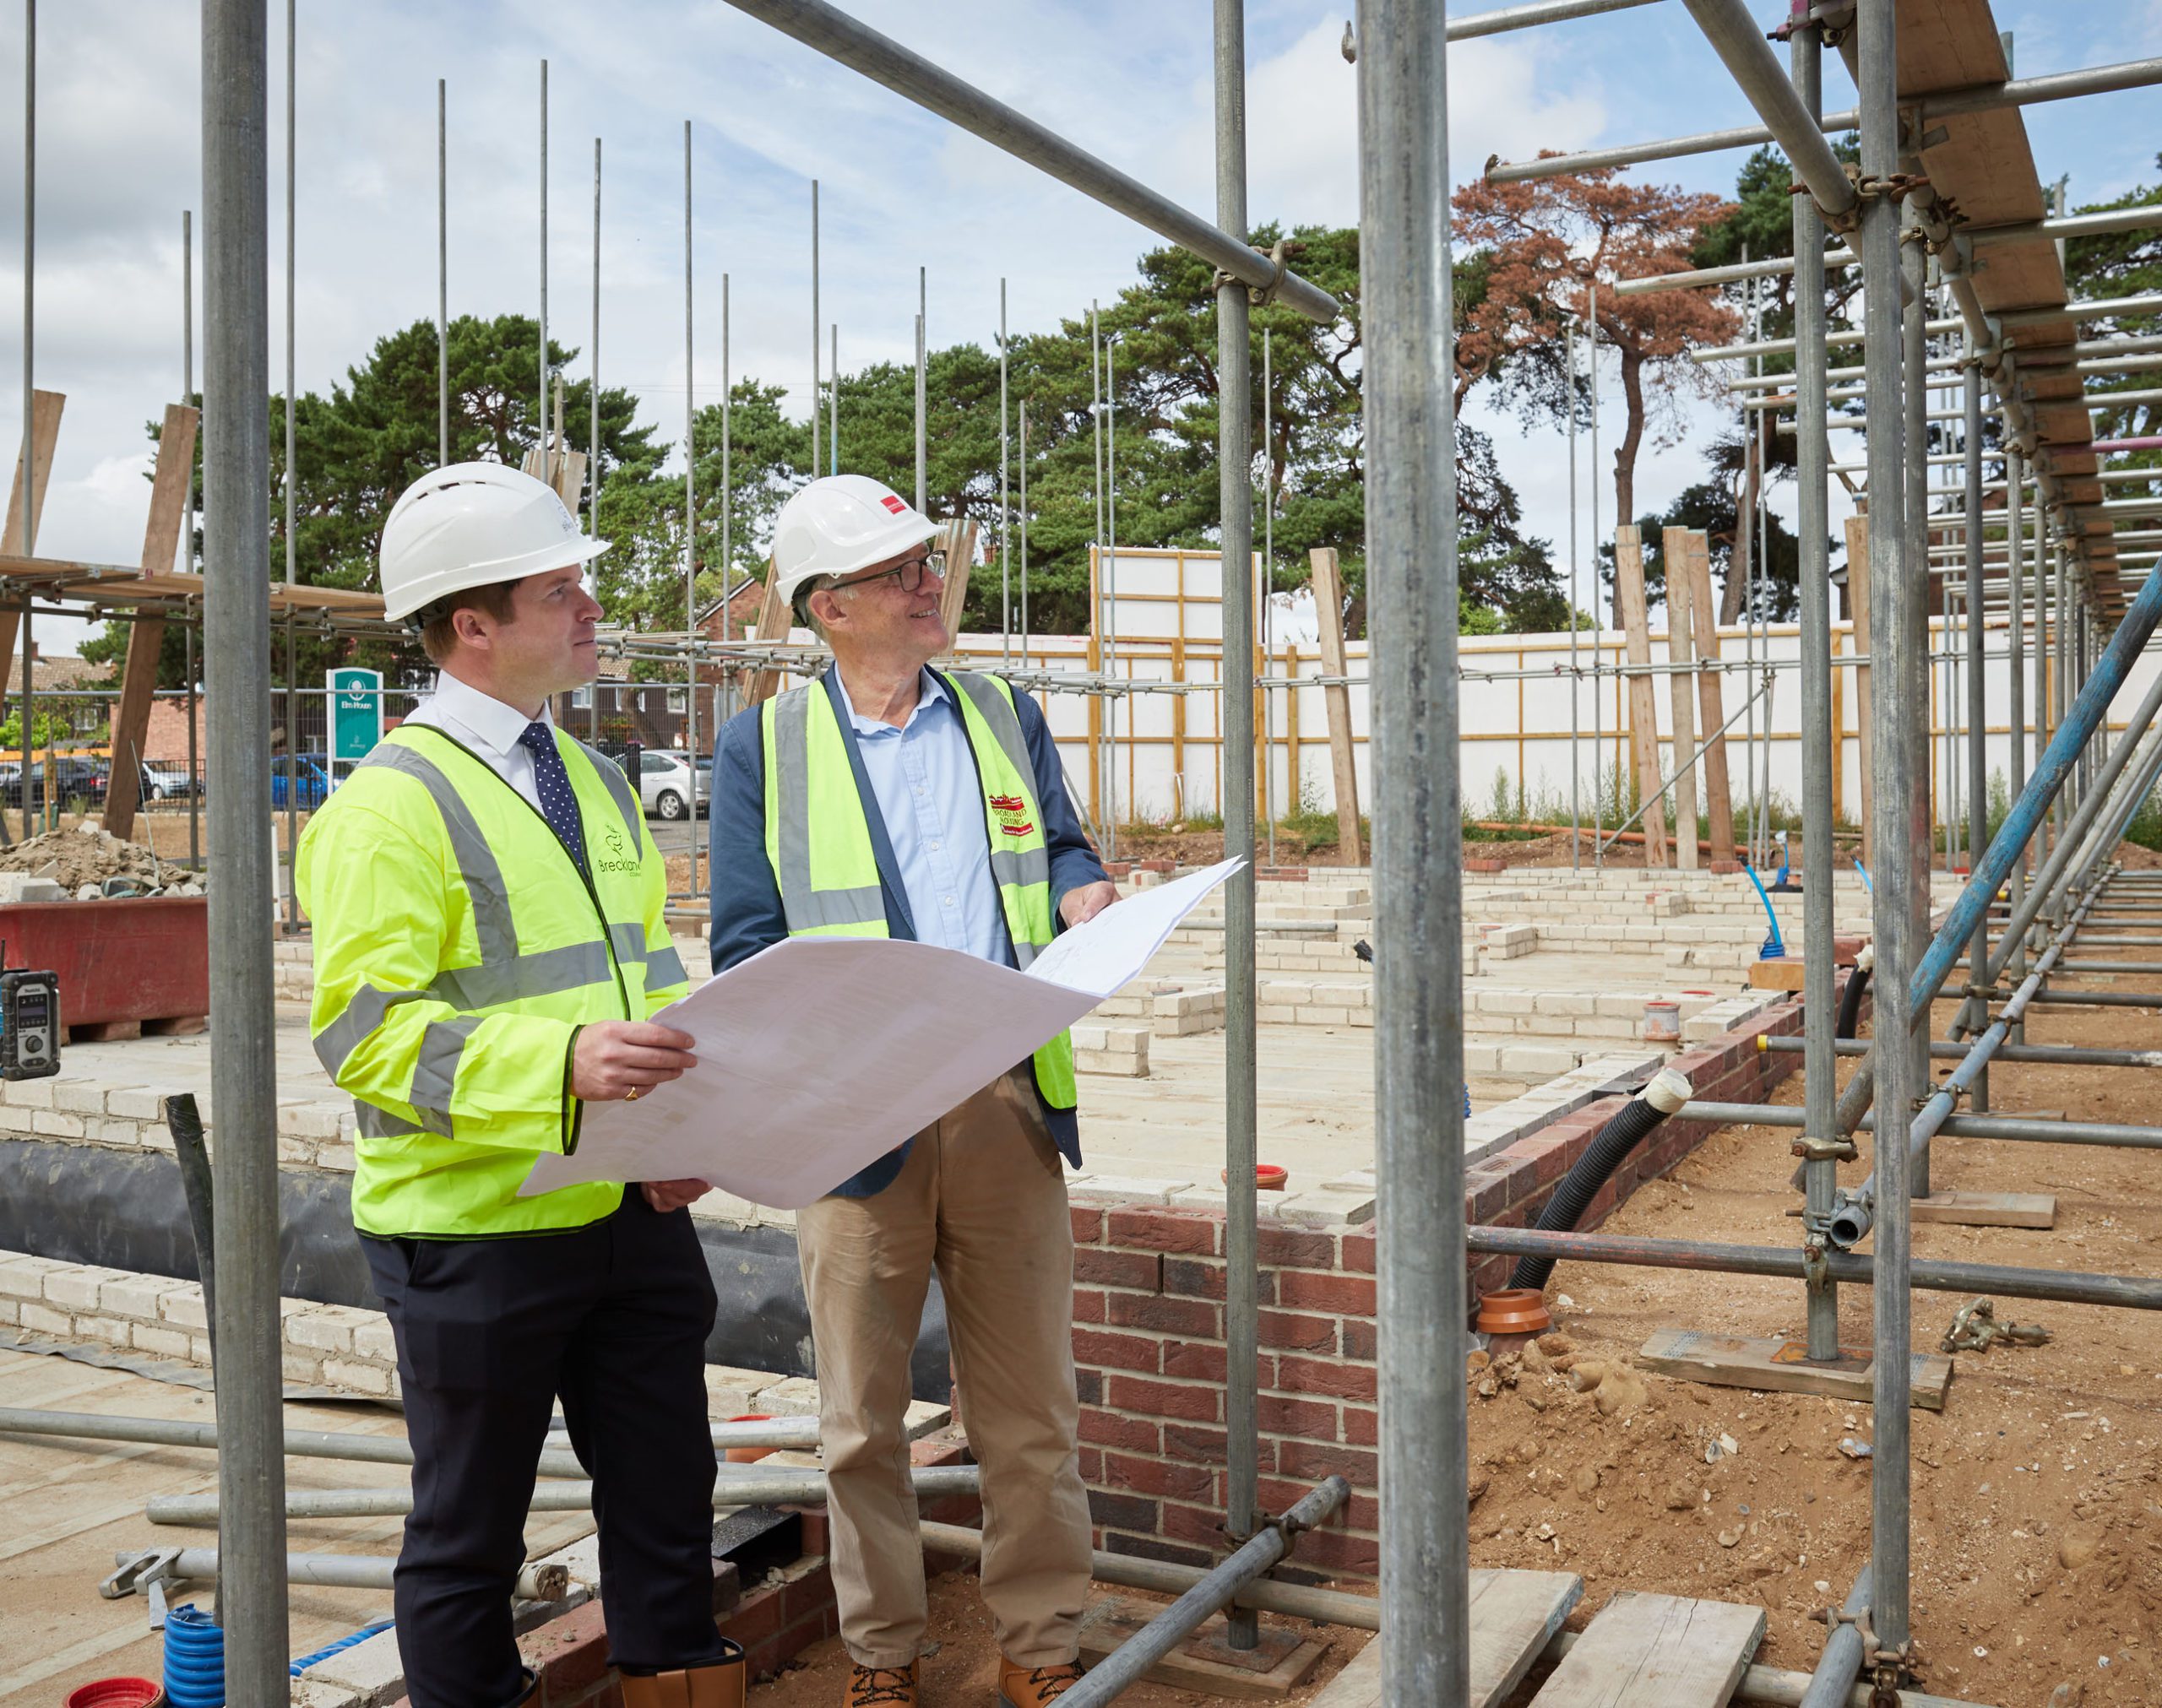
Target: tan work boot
column 1032, row 1687
column 717, row 1684
column 879, row 1687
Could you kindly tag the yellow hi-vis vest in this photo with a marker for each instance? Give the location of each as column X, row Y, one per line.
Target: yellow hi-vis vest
column 819, row 833
column 458, row 950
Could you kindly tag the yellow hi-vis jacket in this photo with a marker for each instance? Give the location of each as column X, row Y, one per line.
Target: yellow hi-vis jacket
column 458, row 950
column 818, row 834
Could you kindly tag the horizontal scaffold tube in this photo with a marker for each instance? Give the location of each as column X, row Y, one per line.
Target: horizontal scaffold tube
column 746, row 1487
column 2106, row 1133
column 2135, row 1291
column 537, row 1581
column 1952, row 1048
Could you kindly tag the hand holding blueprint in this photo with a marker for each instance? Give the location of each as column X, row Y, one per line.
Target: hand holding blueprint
column 818, row 1055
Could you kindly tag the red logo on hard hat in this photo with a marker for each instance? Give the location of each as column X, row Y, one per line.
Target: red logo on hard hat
column 892, row 504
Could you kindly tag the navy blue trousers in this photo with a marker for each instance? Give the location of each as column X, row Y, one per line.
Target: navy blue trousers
column 612, row 1319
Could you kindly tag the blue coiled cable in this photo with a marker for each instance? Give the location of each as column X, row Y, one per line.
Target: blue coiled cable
column 195, row 1659
column 324, row 1653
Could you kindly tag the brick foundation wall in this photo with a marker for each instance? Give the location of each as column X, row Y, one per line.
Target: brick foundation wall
column 1149, row 1331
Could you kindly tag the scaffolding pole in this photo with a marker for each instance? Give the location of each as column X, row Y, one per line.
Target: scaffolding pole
column 244, row 1071
column 1412, row 581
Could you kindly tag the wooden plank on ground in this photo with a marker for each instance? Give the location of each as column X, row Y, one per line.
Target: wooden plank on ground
column 1987, row 1209
column 1711, row 693
column 1858, row 606
column 146, row 635
column 1782, row 1366
column 1514, row 1615
column 1336, row 702
column 1206, row 1661
column 1643, row 705
column 1681, row 650
column 1656, row 1651
column 45, row 434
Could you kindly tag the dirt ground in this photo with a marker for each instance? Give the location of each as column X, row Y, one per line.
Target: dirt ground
column 962, row 1662
column 2037, row 1552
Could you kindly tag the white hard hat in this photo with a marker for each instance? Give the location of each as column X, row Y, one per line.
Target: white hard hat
column 838, row 525
column 471, row 524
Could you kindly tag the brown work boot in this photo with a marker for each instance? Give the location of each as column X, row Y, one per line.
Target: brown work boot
column 881, row 1687
column 1032, row 1687
column 715, row 1684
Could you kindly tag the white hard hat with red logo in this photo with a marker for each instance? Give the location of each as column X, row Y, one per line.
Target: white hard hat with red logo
column 838, row 525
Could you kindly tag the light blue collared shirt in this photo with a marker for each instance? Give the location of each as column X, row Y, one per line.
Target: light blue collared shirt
column 924, row 776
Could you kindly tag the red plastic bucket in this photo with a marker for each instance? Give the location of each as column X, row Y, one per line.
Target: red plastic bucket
column 116, row 1692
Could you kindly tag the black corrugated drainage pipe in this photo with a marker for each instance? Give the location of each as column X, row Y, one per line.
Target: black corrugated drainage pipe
column 1518, row 1307
column 1849, row 1021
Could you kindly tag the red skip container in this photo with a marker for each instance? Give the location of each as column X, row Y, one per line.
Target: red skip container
column 146, row 958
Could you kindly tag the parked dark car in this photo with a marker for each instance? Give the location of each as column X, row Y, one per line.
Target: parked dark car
column 68, row 777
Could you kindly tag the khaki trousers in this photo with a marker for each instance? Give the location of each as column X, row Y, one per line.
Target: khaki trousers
column 982, row 1197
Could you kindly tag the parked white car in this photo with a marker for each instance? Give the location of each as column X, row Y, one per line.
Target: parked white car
column 665, row 784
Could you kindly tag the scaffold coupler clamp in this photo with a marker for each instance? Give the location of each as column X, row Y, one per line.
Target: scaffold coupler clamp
column 146, row 1575
column 1838, row 1149
column 1888, row 1669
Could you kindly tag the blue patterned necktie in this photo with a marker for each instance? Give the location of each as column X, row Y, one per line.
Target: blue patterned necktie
column 559, row 804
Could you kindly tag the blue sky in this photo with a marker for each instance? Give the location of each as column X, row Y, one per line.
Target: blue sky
column 119, row 158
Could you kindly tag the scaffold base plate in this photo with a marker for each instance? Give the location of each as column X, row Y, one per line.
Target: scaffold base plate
column 1206, row 1661
column 1783, row 1366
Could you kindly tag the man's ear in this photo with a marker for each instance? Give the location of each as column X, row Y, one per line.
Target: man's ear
column 474, row 628
column 828, row 612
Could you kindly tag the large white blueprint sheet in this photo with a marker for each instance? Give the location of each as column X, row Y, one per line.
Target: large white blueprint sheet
column 818, row 1055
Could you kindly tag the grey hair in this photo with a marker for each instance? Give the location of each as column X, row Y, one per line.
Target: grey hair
column 802, row 602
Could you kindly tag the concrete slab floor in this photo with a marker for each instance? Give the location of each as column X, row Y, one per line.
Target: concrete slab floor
column 66, row 1506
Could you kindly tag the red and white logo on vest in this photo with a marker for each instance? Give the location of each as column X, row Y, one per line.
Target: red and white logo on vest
column 1012, row 812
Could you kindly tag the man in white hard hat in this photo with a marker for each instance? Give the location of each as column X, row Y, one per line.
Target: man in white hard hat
column 486, row 906
column 890, row 800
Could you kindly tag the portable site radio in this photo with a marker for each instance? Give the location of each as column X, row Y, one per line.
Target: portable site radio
column 30, row 1024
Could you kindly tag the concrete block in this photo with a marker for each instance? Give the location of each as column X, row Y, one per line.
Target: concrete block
column 1572, row 1003
column 52, row 1124
column 1507, row 1001
column 1201, row 1198
column 924, row 1418
column 793, row 1396
column 15, row 1119
column 29, row 1093
column 323, row 1330
column 23, row 886
column 112, row 1331
column 359, row 1378
column 337, row 1159
column 373, row 1671
column 22, row 1275
column 43, row 1319
column 374, row 1340
column 1537, row 1062
column 121, row 1135
column 135, row 1103
column 1482, row 1058
column 1110, row 1063
column 73, row 1287
column 1286, row 993
column 183, row 1307
column 310, row 1119
column 1324, row 1209
column 1325, row 1016
column 82, row 1097
column 158, row 1342
column 135, row 1296
column 1122, row 1189
column 303, row 1368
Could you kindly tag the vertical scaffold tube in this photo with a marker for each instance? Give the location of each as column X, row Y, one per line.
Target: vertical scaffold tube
column 1235, row 460
column 2015, row 578
column 1900, row 807
column 1411, row 571
column 1820, row 1079
column 243, row 1068
column 1978, row 769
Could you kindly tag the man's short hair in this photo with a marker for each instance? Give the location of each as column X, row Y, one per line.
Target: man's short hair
column 438, row 639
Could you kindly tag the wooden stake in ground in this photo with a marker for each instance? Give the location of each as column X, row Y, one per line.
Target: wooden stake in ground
column 1643, row 705
column 45, row 433
column 1336, row 700
column 146, row 635
column 1711, row 695
column 1858, row 611
column 1682, row 652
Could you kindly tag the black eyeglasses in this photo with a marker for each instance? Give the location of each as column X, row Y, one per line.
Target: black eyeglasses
column 909, row 572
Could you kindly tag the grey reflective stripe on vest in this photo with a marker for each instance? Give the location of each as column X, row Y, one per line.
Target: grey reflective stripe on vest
column 1025, row 865
column 337, row 1041
column 618, row 785
column 807, row 909
column 375, row 1123
column 542, row 972
column 435, row 1072
column 663, row 966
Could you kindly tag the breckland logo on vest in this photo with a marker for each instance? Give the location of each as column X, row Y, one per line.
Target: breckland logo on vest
column 1012, row 814
column 617, row 860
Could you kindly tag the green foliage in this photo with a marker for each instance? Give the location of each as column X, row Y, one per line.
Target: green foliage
column 2121, row 263
column 47, row 730
column 1710, row 505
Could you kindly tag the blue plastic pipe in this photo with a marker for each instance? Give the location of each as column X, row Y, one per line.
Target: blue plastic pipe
column 195, row 1659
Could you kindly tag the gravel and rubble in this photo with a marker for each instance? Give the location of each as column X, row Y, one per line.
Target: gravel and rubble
column 86, row 862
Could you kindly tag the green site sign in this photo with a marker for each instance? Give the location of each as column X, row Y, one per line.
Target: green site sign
column 355, row 712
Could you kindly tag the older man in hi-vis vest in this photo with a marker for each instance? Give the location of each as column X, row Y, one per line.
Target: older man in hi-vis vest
column 889, row 799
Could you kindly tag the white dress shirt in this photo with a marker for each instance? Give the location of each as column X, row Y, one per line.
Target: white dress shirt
column 486, row 724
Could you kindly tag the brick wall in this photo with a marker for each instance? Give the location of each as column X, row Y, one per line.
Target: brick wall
column 1149, row 1331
